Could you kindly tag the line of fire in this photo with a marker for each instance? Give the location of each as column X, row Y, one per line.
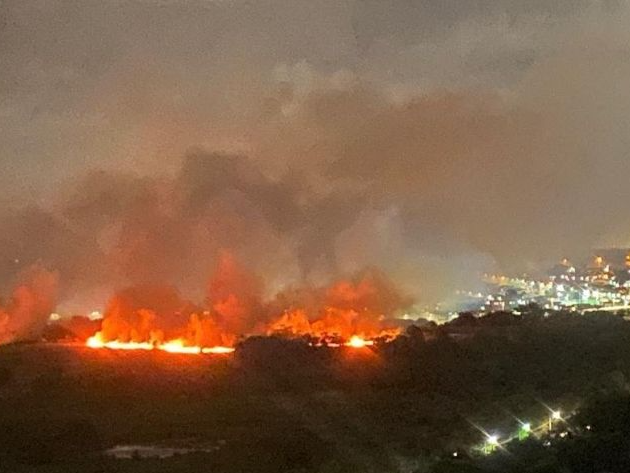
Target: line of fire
column 354, row 313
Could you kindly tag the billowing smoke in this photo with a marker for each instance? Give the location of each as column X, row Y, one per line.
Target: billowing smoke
column 360, row 305
column 24, row 315
column 430, row 142
column 235, row 296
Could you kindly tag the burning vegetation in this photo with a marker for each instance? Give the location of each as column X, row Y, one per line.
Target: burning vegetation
column 351, row 312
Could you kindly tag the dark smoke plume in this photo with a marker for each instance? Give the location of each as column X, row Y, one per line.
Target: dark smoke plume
column 447, row 142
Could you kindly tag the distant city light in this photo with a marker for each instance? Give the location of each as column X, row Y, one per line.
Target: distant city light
column 524, row 431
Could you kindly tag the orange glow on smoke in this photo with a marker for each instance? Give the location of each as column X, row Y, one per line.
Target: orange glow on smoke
column 352, row 313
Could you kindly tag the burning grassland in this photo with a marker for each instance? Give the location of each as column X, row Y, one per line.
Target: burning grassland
column 349, row 312
column 279, row 400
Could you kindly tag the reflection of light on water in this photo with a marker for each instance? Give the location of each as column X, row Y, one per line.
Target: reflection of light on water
column 153, row 451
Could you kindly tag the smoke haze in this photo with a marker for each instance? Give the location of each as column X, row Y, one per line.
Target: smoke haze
column 142, row 140
column 25, row 314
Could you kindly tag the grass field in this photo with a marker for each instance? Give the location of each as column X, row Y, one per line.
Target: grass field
column 281, row 406
column 54, row 396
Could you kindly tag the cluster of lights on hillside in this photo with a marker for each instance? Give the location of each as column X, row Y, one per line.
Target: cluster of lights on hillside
column 598, row 285
column 493, row 441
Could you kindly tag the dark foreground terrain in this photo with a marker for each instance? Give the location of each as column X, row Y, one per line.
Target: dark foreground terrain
column 283, row 406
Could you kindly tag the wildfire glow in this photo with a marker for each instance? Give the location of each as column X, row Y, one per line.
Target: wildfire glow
column 348, row 313
column 218, row 350
column 358, row 342
column 172, row 346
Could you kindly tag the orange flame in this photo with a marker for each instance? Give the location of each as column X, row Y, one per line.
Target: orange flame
column 358, row 342
column 349, row 313
column 172, row 346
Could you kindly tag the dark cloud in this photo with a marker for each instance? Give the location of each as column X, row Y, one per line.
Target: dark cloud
column 431, row 139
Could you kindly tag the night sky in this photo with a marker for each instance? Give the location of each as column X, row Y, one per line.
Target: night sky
column 433, row 139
